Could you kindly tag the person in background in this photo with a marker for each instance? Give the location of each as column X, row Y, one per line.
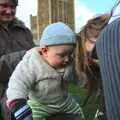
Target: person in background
column 86, row 43
column 15, row 39
column 87, row 63
column 108, row 51
column 44, row 75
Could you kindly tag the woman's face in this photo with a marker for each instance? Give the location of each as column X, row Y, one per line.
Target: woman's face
column 89, row 45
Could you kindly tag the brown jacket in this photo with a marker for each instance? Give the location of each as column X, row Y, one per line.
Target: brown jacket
column 14, row 41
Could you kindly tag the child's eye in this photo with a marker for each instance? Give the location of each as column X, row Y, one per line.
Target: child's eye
column 61, row 55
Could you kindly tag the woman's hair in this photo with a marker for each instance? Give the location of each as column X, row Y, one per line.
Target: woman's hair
column 92, row 29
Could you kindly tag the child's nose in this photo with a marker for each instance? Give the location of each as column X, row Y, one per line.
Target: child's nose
column 67, row 60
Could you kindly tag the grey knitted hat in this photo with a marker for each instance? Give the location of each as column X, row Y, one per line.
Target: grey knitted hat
column 57, row 34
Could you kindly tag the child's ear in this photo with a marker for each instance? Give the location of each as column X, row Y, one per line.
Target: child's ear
column 44, row 50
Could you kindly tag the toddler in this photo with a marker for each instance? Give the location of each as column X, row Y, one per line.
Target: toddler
column 38, row 86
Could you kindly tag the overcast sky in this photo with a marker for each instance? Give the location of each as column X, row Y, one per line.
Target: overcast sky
column 84, row 10
column 26, row 8
column 82, row 14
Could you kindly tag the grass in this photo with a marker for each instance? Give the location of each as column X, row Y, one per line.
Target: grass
column 80, row 94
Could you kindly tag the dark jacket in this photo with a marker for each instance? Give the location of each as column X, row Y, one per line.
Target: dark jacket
column 14, row 41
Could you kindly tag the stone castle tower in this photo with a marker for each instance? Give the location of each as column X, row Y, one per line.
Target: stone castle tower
column 50, row 11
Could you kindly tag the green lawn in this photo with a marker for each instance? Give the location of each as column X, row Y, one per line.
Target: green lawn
column 80, row 94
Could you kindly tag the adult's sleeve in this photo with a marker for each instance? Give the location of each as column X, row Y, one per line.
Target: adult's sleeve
column 21, row 79
column 8, row 63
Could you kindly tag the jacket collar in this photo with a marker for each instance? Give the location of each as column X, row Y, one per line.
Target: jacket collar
column 17, row 23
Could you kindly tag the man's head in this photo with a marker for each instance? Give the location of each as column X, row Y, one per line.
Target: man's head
column 57, row 44
column 7, row 10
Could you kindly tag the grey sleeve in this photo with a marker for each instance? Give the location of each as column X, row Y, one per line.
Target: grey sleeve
column 21, row 80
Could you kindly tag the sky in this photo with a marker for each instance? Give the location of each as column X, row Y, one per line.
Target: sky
column 84, row 10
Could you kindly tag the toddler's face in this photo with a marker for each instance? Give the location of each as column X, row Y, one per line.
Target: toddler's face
column 59, row 56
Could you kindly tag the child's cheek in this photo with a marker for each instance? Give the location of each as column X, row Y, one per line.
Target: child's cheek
column 59, row 62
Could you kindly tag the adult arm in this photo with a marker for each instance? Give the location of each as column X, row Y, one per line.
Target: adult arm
column 8, row 63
